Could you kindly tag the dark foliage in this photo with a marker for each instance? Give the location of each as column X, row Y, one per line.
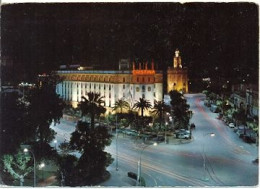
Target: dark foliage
column 93, row 160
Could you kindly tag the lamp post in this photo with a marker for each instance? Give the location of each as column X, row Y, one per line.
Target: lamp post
column 165, row 137
column 204, row 156
column 55, row 143
column 116, row 145
column 139, row 170
column 34, row 166
column 41, row 166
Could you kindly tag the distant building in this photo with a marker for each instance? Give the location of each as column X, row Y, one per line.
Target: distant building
column 246, row 96
column 140, row 81
column 177, row 76
column 131, row 82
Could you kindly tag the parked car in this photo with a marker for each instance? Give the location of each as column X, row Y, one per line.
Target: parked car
column 158, row 139
column 240, row 133
column 255, row 161
column 181, row 132
column 183, row 136
column 240, row 127
column 231, row 125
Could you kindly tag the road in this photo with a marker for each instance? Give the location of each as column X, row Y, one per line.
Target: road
column 228, row 160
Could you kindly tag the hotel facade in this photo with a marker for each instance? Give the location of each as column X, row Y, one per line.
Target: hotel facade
column 129, row 83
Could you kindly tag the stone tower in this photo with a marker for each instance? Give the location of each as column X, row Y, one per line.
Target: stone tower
column 177, row 76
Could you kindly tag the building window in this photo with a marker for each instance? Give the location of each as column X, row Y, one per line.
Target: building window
column 137, row 89
column 148, row 79
column 94, row 86
column 154, row 94
column 123, row 86
column 143, row 95
column 123, row 94
column 143, row 88
column 99, row 86
column 143, row 79
column 90, row 86
column 109, row 95
column 109, row 87
column 104, row 86
column 137, row 79
column 123, row 79
column 149, row 88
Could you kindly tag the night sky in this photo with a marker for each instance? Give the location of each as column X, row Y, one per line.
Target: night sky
column 210, row 36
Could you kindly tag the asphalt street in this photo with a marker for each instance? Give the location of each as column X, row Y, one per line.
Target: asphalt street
column 221, row 160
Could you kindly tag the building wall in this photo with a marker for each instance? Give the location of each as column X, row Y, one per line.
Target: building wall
column 113, row 85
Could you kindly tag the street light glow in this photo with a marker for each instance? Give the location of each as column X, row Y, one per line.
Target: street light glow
column 212, row 134
column 42, row 165
column 25, row 150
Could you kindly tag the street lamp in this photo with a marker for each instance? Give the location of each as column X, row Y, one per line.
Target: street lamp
column 204, row 156
column 41, row 166
column 165, row 140
column 140, row 162
column 55, row 142
column 34, row 166
column 116, row 145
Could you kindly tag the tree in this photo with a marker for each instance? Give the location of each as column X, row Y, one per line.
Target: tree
column 121, row 104
column 239, row 116
column 142, row 105
column 44, row 107
column 159, row 109
column 17, row 165
column 14, row 124
column 180, row 109
column 92, row 105
column 91, row 142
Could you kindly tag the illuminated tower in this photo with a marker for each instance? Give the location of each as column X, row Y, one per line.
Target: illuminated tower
column 177, row 76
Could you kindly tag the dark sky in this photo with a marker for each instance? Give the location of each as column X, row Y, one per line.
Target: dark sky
column 39, row 37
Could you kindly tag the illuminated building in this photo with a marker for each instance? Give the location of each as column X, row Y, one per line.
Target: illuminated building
column 129, row 84
column 177, row 76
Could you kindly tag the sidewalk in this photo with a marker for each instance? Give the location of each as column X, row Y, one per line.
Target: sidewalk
column 47, row 182
column 118, row 179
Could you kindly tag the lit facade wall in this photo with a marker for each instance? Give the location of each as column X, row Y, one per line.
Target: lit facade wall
column 113, row 85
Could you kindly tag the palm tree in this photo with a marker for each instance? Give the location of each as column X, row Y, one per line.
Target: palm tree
column 121, row 104
column 160, row 108
column 92, row 105
column 142, row 105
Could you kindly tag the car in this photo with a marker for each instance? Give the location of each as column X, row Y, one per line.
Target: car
column 231, row 125
column 240, row 127
column 255, row 161
column 158, row 139
column 183, row 136
column 247, row 139
column 240, row 133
